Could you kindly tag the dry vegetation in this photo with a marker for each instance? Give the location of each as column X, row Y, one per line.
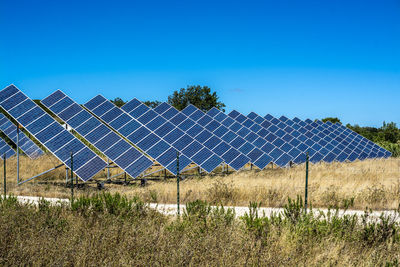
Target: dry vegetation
column 109, row 229
column 370, row 183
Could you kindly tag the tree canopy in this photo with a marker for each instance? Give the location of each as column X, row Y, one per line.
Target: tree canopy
column 331, row 119
column 118, row 102
column 199, row 96
column 152, row 104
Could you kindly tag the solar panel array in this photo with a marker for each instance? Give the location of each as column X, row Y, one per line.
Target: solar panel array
column 24, row 143
column 231, row 156
column 6, row 150
column 258, row 136
column 257, row 157
column 137, row 133
column 100, row 136
column 50, row 133
column 205, row 139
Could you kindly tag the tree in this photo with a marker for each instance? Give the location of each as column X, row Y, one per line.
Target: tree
column 390, row 132
column 331, row 119
column 152, row 104
column 118, row 102
column 199, row 96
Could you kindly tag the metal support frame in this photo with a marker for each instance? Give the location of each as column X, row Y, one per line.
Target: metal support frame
column 177, row 182
column 17, row 154
column 306, row 187
column 108, row 169
column 72, row 177
column 154, row 172
column 5, row 172
column 40, row 174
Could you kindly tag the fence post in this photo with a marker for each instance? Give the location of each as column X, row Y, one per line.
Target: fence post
column 72, row 177
column 18, row 154
column 177, row 182
column 108, row 169
column 5, row 179
column 306, row 187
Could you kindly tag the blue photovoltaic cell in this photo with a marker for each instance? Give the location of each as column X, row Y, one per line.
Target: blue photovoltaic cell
column 21, row 108
column 195, row 130
column 186, row 125
column 78, row 119
column 131, row 105
column 148, row 141
column 183, row 142
column 35, row 120
column 160, row 108
column 61, row 105
column 27, row 145
column 102, row 137
column 5, row 150
column 165, row 129
column 156, row 123
column 192, row 149
column 172, row 136
column 39, row 124
column 111, row 114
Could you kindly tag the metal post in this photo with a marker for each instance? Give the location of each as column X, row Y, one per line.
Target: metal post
column 66, row 177
column 17, row 154
column 177, row 182
column 165, row 174
column 125, row 177
column 5, row 179
column 251, row 166
column 108, row 169
column 72, row 177
column 306, row 189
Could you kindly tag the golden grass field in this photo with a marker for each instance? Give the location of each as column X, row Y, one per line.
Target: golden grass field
column 371, row 183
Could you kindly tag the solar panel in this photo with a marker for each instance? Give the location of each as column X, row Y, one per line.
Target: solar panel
column 175, row 135
column 26, row 144
column 103, row 138
column 50, row 133
column 202, row 135
column 140, row 135
column 6, row 150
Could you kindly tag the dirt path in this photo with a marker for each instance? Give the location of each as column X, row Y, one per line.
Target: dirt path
column 171, row 209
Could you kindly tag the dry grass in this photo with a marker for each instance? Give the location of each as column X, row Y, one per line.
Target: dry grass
column 370, row 183
column 110, row 230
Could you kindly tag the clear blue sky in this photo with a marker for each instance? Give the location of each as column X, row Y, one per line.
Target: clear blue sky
column 309, row 59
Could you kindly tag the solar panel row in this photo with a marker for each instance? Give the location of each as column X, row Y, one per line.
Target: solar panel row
column 50, row 133
column 103, row 138
column 24, row 143
column 175, row 136
column 322, row 141
column 137, row 133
